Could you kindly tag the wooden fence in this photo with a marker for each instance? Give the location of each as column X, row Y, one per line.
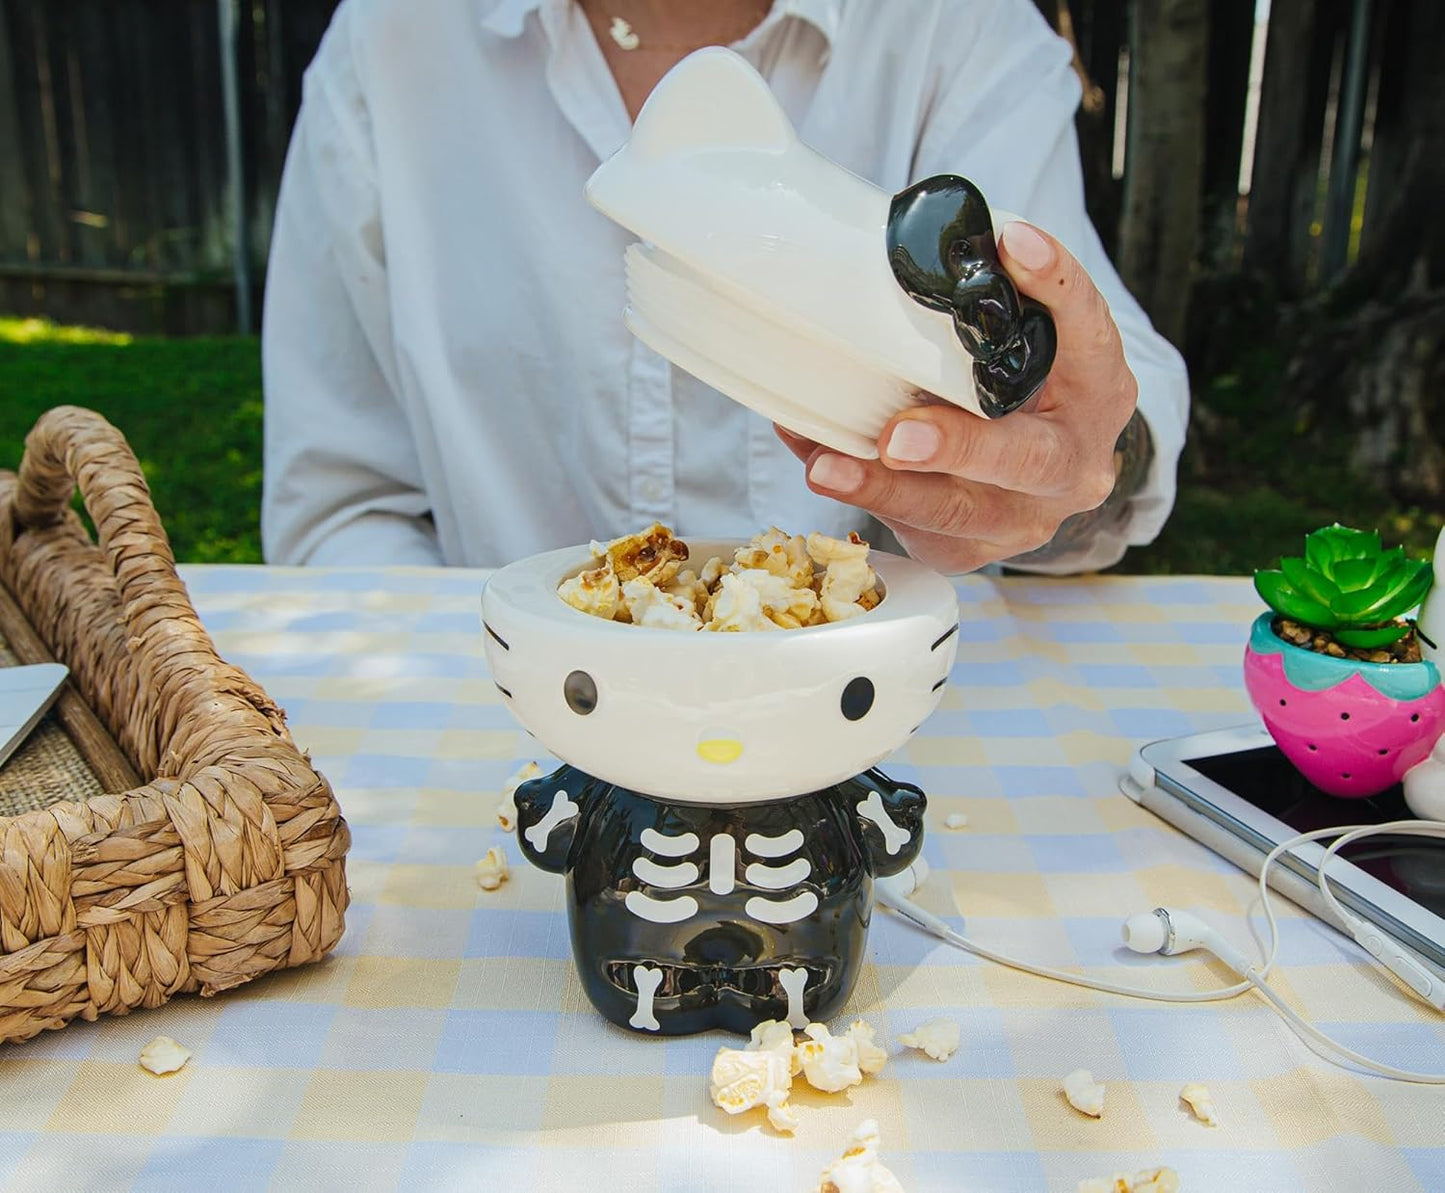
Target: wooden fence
column 114, row 202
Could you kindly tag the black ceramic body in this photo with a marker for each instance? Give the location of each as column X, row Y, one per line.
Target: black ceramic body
column 942, row 252
column 714, row 903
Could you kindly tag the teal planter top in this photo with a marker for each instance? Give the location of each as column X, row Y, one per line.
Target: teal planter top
column 1314, row 672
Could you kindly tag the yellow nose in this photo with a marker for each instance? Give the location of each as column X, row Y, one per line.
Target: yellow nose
column 719, row 749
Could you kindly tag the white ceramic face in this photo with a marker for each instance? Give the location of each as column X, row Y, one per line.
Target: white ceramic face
column 719, row 717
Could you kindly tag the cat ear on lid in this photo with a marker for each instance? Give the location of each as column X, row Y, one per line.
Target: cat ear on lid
column 712, row 99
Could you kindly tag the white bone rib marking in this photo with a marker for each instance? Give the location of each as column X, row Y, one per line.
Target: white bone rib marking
column 790, row 842
column 779, row 878
column 793, row 981
column 661, row 911
column 785, row 911
column 666, row 877
column 669, row 846
column 894, row 838
column 562, row 809
column 648, row 980
column 722, row 864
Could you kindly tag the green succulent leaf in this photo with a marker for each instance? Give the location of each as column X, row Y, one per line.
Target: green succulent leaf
column 1288, row 602
column 1306, row 580
column 1346, row 583
column 1369, row 639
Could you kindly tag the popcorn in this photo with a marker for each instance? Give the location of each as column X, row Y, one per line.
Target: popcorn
column 649, row 605
column 849, row 585
column 779, row 553
column 775, row 1035
column 1149, row 1180
column 736, row 606
column 871, row 1057
column 507, row 808
column 163, row 1055
column 781, row 1116
column 596, row 592
column 1084, row 1094
column 830, row 1063
column 955, row 820
column 742, row 1078
column 774, row 582
column 492, row 869
column 1197, row 1098
column 858, row 1169
column 652, row 554
column 938, row 1038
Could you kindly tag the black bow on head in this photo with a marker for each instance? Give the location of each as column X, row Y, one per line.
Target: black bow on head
column 942, row 251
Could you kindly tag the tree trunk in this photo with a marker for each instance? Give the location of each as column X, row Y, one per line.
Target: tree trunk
column 1159, row 233
column 1374, row 358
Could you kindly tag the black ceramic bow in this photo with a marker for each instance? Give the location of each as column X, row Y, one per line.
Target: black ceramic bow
column 942, row 251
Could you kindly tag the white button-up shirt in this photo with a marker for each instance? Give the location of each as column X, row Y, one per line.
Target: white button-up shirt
column 448, row 377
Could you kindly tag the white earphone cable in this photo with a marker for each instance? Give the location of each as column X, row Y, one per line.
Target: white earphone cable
column 1254, row 976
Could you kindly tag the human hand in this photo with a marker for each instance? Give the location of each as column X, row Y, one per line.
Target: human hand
column 960, row 490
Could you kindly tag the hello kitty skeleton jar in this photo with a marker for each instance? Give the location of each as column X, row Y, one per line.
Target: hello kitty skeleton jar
column 717, row 816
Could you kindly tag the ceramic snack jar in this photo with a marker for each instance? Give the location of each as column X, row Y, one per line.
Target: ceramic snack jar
column 718, row 816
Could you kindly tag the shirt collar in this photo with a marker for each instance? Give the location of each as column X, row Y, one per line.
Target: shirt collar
column 509, row 17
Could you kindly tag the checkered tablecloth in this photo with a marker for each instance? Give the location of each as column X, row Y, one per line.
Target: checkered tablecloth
column 447, row 1043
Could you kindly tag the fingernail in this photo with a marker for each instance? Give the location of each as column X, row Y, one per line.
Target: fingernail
column 1023, row 243
column 841, row 474
column 913, row 441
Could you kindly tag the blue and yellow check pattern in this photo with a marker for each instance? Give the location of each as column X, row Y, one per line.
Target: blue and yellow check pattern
column 447, row 1043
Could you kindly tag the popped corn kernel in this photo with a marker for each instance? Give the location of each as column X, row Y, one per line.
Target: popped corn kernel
column 830, row 1063
column 871, row 1057
column 744, row 1078
column 163, row 1055
column 507, row 807
column 857, row 1170
column 492, row 869
column 937, row 1038
column 1084, row 1094
column 648, row 605
column 1199, row 1101
column 1148, row 1180
column 955, row 820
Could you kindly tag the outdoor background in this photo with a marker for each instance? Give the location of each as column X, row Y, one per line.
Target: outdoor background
column 1268, row 177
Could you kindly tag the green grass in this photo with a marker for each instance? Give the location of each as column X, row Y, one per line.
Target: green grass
column 1255, row 477
column 190, row 408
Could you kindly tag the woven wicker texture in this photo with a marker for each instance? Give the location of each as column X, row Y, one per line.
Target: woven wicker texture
column 230, row 862
column 46, row 769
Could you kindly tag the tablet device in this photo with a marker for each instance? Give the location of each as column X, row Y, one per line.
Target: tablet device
column 1233, row 791
column 25, row 694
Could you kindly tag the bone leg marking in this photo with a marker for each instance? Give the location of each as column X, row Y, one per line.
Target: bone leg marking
column 562, row 809
column 793, row 981
column 894, row 838
column 648, row 980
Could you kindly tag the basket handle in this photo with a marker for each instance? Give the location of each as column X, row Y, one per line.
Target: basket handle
column 70, row 448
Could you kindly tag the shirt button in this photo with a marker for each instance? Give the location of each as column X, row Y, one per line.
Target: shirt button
column 652, row 490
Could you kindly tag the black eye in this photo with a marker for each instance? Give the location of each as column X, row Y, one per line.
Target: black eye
column 857, row 698
column 580, row 691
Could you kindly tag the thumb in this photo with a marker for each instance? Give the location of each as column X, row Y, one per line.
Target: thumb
column 1047, row 272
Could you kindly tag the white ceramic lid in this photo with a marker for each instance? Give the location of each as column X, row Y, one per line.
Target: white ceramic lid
column 764, row 269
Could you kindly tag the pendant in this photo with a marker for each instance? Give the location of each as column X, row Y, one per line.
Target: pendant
column 622, row 34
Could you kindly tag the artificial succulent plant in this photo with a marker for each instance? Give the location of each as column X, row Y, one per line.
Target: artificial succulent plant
column 1346, row 584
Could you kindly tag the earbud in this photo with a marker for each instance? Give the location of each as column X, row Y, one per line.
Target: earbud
column 1170, row 932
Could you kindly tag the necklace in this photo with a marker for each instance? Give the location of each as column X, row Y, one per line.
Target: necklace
column 626, row 38
column 623, row 35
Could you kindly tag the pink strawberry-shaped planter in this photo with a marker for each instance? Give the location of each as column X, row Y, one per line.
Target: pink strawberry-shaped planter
column 1352, row 729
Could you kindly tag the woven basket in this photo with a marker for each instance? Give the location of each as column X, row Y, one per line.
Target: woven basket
column 230, row 861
